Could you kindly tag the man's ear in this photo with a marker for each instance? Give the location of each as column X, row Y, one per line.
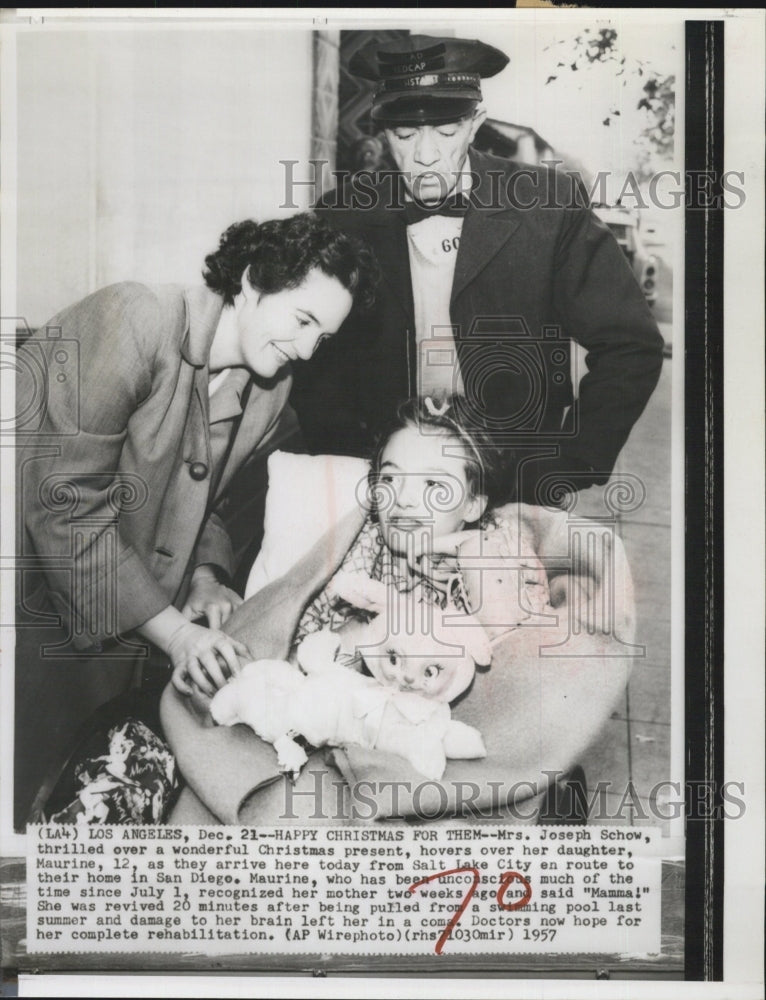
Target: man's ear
column 480, row 113
column 475, row 508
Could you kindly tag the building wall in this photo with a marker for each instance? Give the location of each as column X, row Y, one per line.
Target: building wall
column 324, row 118
column 137, row 147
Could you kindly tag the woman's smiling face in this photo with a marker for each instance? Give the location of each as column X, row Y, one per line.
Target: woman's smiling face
column 272, row 330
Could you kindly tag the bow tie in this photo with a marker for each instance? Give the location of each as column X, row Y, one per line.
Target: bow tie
column 455, row 206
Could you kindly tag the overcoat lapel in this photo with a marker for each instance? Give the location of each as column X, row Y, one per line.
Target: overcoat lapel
column 390, row 243
column 256, row 420
column 203, row 310
column 490, row 222
column 483, row 237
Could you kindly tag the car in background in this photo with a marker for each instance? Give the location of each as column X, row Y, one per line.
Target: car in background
column 624, row 224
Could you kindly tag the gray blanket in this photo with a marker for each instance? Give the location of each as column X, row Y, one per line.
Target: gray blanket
column 546, row 696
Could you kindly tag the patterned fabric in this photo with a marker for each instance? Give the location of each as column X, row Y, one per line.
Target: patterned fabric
column 132, row 783
column 369, row 554
column 504, row 538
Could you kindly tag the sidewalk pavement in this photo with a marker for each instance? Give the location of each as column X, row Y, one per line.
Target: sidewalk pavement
column 634, row 746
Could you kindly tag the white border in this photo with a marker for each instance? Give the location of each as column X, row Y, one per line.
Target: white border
column 744, row 539
column 13, row 844
column 744, row 445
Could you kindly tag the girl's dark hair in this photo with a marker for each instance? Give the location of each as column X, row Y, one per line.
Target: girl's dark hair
column 444, row 415
column 279, row 254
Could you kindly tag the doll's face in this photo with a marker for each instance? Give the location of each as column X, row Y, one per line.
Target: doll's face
column 430, row 676
column 417, row 658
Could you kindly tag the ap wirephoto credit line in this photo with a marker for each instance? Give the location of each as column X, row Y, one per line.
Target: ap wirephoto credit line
column 363, row 564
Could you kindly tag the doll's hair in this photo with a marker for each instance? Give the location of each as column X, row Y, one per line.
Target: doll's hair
column 442, row 415
column 279, row 254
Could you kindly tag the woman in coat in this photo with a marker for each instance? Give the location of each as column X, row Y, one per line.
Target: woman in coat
column 136, row 406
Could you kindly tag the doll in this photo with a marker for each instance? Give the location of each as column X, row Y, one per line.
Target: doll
column 418, row 663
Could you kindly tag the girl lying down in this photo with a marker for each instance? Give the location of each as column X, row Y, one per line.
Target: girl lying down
column 398, row 611
column 430, row 484
column 561, row 652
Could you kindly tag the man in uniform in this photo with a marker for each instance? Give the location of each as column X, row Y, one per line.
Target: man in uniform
column 490, row 270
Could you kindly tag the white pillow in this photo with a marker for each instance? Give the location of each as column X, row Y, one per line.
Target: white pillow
column 307, row 495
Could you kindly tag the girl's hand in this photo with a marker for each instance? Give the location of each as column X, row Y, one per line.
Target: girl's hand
column 442, row 561
column 204, row 657
column 209, row 598
column 360, row 591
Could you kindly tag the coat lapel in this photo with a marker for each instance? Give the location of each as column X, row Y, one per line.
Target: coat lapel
column 390, row 242
column 203, row 310
column 490, row 222
column 267, row 397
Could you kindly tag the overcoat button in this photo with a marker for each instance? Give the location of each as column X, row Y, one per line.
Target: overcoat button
column 198, row 470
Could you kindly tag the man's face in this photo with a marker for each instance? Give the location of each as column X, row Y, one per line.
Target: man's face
column 431, row 157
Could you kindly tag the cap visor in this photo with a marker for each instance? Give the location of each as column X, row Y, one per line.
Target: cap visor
column 435, row 109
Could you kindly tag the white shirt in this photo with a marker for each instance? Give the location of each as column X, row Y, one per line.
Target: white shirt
column 217, row 381
column 433, row 244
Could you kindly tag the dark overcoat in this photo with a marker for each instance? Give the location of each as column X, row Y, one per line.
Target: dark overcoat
column 535, row 270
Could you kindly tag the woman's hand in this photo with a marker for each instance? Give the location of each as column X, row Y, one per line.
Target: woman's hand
column 210, row 599
column 204, row 657
column 200, row 656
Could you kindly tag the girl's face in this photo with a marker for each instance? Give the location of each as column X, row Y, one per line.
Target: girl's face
column 422, row 490
column 271, row 330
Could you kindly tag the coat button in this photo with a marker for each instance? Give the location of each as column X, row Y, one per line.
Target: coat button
column 198, row 470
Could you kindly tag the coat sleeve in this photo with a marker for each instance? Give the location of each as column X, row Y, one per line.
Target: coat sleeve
column 603, row 309
column 68, row 483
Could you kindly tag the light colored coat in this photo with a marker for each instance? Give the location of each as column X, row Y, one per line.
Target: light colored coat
column 113, row 416
column 115, row 505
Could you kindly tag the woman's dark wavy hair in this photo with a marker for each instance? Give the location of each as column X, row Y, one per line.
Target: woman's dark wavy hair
column 280, row 253
column 448, row 415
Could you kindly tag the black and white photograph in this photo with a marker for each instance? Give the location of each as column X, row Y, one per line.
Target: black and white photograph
column 363, row 457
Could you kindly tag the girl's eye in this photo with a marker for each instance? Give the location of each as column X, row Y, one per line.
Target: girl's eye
column 302, row 321
column 393, row 659
column 431, row 671
column 386, row 479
